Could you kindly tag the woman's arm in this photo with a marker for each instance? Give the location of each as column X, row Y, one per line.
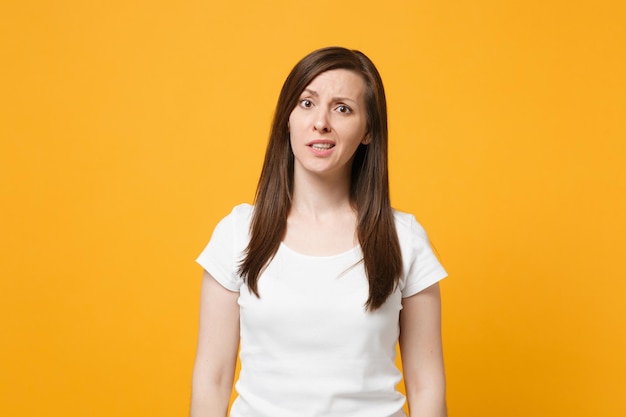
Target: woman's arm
column 218, row 342
column 422, row 357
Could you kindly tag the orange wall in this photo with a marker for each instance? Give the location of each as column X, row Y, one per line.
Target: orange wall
column 129, row 128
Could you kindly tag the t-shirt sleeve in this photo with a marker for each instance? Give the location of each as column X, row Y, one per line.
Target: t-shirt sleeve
column 222, row 255
column 422, row 268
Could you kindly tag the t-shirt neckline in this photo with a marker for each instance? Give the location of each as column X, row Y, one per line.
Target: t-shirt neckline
column 350, row 251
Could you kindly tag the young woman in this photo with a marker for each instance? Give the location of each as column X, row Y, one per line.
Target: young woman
column 320, row 279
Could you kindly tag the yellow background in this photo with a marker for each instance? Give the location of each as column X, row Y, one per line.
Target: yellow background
column 129, row 128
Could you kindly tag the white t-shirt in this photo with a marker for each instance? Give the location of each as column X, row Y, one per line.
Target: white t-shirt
column 308, row 347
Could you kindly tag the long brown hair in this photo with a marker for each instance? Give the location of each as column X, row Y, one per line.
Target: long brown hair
column 369, row 189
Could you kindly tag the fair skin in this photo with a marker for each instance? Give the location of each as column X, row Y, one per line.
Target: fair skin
column 421, row 351
column 326, row 127
column 216, row 357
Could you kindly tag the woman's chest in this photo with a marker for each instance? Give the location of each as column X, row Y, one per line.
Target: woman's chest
column 317, row 304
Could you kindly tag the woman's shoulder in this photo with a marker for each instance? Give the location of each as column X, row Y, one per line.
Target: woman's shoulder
column 237, row 221
column 408, row 226
column 243, row 210
column 420, row 264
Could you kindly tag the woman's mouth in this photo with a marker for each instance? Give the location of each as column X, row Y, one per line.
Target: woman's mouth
column 321, row 146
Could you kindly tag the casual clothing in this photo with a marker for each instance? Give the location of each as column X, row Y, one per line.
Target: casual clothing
column 308, row 347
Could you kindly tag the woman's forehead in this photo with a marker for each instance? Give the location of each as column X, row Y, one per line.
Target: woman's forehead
column 337, row 82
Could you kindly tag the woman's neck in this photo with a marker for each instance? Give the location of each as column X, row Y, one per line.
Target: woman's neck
column 319, row 196
column 322, row 220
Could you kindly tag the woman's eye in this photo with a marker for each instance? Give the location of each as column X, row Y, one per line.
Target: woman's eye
column 344, row 109
column 306, row 103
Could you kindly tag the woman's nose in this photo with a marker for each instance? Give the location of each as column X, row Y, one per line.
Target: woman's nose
column 321, row 122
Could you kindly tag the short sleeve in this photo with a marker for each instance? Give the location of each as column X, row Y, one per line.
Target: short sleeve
column 421, row 266
column 223, row 253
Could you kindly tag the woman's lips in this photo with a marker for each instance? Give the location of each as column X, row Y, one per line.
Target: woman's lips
column 321, row 146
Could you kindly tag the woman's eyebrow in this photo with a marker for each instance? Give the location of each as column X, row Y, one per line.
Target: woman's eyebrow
column 335, row 99
column 343, row 99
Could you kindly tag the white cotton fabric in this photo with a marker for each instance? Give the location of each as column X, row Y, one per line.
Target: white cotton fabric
column 308, row 348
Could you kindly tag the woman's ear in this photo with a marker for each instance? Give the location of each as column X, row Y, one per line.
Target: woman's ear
column 367, row 139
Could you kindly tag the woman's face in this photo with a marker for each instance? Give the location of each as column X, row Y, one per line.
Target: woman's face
column 328, row 124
